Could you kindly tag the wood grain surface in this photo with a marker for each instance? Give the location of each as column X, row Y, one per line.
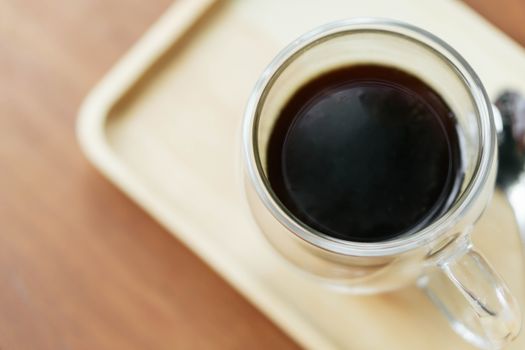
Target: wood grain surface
column 82, row 267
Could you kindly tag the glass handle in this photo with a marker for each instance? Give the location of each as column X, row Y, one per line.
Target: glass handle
column 474, row 299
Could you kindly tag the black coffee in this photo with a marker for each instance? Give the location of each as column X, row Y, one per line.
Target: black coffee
column 365, row 153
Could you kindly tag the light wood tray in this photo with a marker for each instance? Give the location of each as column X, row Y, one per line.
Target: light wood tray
column 163, row 126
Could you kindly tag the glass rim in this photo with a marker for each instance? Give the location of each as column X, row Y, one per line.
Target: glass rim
column 402, row 243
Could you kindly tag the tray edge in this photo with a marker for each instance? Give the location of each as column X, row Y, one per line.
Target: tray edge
column 90, row 130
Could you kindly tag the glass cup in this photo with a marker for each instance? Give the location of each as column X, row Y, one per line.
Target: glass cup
column 440, row 257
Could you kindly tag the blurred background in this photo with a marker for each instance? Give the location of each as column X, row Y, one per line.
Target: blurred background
column 81, row 266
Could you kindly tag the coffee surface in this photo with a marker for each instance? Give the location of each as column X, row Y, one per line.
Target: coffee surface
column 365, row 153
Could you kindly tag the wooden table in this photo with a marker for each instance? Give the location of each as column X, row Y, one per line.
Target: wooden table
column 81, row 266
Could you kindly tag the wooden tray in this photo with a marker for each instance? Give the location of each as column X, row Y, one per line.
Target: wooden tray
column 163, row 126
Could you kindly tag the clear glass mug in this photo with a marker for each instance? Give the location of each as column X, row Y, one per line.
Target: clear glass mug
column 440, row 258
